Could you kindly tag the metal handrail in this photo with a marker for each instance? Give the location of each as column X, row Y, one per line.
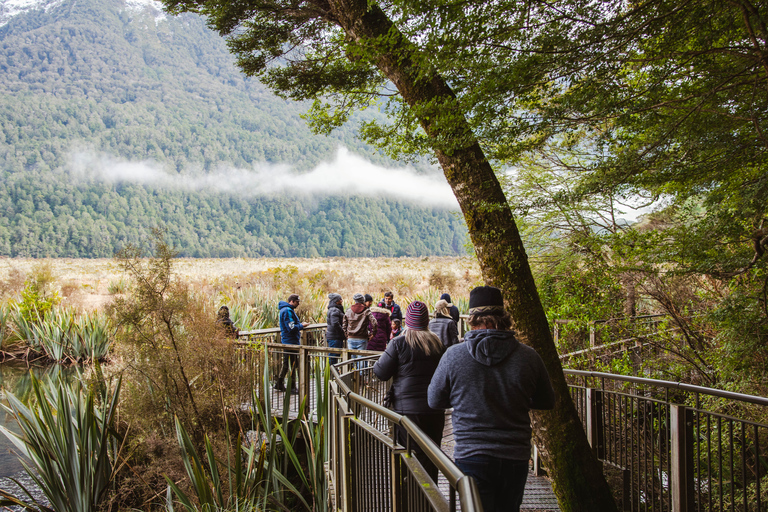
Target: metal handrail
column 667, row 453
column 469, row 495
column 441, row 460
column 758, row 400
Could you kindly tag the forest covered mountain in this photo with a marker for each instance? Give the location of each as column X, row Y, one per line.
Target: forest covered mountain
column 128, row 90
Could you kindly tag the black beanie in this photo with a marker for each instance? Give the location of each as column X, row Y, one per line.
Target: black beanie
column 486, row 300
column 446, row 298
column 368, row 298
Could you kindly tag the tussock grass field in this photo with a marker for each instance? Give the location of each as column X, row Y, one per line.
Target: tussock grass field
column 89, row 284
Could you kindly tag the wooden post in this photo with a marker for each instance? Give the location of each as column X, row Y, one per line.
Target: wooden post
column 681, row 458
column 592, row 334
column 595, row 433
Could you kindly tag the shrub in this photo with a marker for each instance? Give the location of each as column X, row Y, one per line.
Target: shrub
column 180, row 362
column 119, row 286
column 442, row 279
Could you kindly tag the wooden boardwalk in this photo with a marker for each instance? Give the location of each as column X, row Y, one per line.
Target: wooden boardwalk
column 538, row 497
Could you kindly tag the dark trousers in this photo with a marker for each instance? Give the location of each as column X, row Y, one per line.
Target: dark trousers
column 432, row 425
column 501, row 482
column 333, row 358
column 290, row 359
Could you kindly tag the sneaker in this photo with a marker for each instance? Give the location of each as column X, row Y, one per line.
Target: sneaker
column 295, row 390
column 279, row 386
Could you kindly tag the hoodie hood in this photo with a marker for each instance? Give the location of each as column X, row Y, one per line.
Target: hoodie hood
column 357, row 308
column 282, row 304
column 489, row 346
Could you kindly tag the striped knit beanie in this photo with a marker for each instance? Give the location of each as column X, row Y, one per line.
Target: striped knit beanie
column 417, row 316
column 486, row 300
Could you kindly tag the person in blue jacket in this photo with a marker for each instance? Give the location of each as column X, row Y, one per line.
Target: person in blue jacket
column 395, row 313
column 290, row 334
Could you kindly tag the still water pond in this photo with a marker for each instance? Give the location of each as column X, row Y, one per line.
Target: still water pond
column 16, row 379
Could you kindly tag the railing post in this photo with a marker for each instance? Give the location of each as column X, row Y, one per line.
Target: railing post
column 397, row 481
column 345, row 443
column 303, row 373
column 592, row 334
column 681, row 433
column 345, row 354
column 595, row 433
column 556, row 333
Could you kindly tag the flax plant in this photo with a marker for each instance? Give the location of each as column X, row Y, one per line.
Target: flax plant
column 256, row 478
column 244, row 317
column 70, row 440
column 23, row 330
column 53, row 333
column 93, row 337
column 62, row 334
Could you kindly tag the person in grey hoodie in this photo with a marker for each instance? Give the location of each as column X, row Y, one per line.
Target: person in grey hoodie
column 492, row 381
column 334, row 332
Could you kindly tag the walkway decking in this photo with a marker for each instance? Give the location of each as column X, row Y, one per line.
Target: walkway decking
column 538, row 491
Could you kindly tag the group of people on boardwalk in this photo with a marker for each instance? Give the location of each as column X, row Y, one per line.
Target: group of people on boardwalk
column 489, row 379
column 367, row 327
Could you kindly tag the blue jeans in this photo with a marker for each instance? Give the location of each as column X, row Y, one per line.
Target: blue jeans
column 333, row 358
column 501, row 482
column 357, row 344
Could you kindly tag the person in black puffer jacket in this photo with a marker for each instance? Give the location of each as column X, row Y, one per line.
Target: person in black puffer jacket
column 443, row 325
column 410, row 361
column 334, row 333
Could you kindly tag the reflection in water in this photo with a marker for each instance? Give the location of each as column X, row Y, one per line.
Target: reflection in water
column 16, row 379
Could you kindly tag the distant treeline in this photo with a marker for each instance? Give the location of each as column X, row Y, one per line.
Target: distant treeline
column 44, row 217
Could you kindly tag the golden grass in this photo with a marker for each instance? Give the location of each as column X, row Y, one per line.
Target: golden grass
column 86, row 282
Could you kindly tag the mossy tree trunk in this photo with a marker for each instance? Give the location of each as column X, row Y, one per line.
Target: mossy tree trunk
column 577, row 475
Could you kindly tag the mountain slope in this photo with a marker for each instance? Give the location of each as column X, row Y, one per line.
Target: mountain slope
column 115, row 78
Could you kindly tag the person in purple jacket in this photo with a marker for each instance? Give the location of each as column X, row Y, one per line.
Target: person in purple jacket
column 383, row 328
column 491, row 381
